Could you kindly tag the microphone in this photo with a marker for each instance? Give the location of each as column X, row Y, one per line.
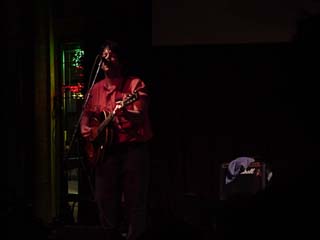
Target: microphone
column 106, row 59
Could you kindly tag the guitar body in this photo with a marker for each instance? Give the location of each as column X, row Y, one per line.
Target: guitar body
column 102, row 133
column 99, row 140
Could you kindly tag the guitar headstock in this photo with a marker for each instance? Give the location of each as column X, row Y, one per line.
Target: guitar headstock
column 130, row 99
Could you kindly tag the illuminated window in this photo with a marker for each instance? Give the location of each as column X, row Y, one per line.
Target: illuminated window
column 72, row 92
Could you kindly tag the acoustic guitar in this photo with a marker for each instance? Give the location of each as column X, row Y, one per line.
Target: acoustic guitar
column 101, row 133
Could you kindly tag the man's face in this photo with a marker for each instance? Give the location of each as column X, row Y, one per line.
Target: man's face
column 110, row 61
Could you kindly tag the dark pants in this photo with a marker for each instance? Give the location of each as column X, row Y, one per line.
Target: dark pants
column 124, row 170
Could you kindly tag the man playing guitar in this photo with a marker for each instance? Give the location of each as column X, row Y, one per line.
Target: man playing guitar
column 115, row 123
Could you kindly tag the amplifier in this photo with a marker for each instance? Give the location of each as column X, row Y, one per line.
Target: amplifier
column 246, row 183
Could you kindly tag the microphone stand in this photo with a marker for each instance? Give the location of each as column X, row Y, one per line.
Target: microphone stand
column 76, row 129
column 75, row 133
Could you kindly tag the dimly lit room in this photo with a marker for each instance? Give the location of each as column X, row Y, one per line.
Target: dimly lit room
column 161, row 119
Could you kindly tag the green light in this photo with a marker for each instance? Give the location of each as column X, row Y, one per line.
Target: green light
column 77, row 58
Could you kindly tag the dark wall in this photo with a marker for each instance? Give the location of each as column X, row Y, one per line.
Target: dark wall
column 18, row 102
column 213, row 103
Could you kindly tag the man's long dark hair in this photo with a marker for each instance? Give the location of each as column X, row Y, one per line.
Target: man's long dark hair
column 116, row 48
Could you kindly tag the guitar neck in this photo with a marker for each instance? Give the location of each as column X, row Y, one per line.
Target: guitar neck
column 130, row 99
column 105, row 122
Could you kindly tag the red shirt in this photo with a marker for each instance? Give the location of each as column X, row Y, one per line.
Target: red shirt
column 103, row 97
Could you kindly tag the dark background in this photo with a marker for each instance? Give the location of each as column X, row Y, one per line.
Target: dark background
column 227, row 79
column 228, row 22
